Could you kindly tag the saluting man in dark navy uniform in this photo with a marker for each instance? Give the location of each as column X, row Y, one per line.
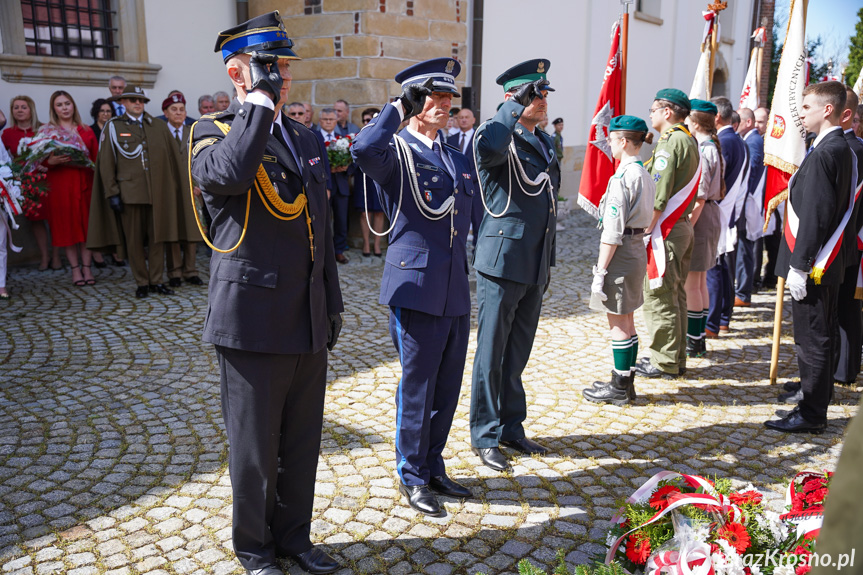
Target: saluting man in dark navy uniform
column 519, row 175
column 426, row 189
column 274, row 302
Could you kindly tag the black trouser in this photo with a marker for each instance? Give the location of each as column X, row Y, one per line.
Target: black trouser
column 771, row 245
column 273, row 409
column 850, row 328
column 815, row 337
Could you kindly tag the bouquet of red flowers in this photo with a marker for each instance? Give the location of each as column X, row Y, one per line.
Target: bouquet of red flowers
column 51, row 139
column 339, row 151
column 21, row 192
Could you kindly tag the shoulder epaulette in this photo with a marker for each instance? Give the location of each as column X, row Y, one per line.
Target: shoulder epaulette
column 214, row 115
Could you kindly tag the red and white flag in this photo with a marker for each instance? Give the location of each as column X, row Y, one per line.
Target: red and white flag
column 785, row 138
column 749, row 95
column 598, row 161
column 701, row 84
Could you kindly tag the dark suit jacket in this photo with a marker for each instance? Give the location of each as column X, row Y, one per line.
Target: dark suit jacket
column 188, row 121
column 736, row 157
column 423, row 271
column 819, row 194
column 453, row 141
column 520, row 245
column 852, row 254
column 268, row 296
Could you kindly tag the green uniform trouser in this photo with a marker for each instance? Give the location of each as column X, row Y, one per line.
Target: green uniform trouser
column 181, row 259
column 665, row 307
column 147, row 268
column 842, row 531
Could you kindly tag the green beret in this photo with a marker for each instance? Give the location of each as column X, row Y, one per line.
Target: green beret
column 628, row 123
column 704, row 106
column 674, row 96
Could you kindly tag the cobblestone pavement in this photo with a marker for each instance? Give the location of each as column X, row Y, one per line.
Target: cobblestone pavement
column 113, row 457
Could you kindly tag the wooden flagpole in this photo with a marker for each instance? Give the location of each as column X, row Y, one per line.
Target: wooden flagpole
column 777, row 316
column 624, row 54
column 714, row 43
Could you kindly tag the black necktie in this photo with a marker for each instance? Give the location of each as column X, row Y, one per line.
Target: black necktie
column 461, row 143
column 177, row 135
column 280, row 136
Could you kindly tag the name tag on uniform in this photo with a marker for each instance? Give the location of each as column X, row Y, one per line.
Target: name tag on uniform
column 267, row 158
column 125, row 135
column 427, row 167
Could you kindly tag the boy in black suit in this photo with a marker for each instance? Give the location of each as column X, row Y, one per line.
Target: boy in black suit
column 818, row 198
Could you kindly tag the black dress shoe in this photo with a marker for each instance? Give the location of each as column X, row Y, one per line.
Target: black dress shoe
column 175, row 282
column 194, row 280
column 316, row 561
column 526, row 446
column 492, row 457
column 100, row 265
column 795, row 423
column 791, row 396
column 142, row 291
column 421, row 499
column 646, row 369
column 446, row 486
column 162, row 289
column 268, row 570
column 791, row 385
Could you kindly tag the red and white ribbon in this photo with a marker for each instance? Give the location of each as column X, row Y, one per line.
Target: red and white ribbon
column 693, row 558
column 711, row 498
column 675, row 207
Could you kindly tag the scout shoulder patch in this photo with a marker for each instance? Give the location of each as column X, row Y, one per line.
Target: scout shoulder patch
column 663, row 154
column 661, row 163
column 203, row 144
column 613, row 212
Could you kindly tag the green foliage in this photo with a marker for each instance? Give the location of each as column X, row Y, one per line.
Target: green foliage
column 855, row 51
column 525, row 567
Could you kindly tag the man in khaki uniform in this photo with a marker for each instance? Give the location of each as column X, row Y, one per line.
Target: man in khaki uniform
column 137, row 177
column 673, row 166
column 181, row 255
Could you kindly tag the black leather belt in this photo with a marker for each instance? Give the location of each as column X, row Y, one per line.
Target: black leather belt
column 633, row 231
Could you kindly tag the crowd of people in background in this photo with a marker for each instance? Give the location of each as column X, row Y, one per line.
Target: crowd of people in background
column 64, row 218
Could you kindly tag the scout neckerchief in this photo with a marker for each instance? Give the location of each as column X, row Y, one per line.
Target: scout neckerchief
column 673, row 210
column 827, row 253
column 266, row 191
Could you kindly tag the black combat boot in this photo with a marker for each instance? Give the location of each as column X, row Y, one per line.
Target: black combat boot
column 615, row 392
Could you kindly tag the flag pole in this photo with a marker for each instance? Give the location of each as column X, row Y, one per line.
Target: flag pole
column 777, row 317
column 624, row 53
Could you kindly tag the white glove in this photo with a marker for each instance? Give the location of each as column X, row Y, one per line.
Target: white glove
column 796, row 283
column 646, row 240
column 598, row 281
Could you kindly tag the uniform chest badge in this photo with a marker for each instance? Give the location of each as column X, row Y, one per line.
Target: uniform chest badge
column 466, row 176
column 428, row 195
column 315, row 161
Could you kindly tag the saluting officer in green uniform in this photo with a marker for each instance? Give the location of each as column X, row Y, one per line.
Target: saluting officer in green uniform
column 674, row 168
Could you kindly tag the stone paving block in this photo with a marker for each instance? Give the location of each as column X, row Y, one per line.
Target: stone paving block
column 128, row 466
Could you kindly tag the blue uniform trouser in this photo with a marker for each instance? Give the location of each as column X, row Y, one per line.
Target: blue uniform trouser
column 745, row 266
column 341, row 205
column 721, row 292
column 507, row 319
column 432, row 351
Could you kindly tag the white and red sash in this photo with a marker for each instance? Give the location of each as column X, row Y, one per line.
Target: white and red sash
column 673, row 210
column 831, row 247
column 731, row 205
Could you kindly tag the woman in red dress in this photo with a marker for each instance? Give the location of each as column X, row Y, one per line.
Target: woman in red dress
column 70, row 187
column 24, row 125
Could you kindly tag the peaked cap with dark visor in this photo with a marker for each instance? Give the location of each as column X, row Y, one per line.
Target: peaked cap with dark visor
column 265, row 33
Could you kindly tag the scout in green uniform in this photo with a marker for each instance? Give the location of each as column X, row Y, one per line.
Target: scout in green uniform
column 673, row 167
column 626, row 210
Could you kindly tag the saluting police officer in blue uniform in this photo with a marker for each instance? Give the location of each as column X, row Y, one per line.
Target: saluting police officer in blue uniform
column 426, row 190
column 274, row 302
column 519, row 175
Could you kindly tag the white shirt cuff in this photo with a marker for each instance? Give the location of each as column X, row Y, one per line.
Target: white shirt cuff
column 261, row 100
column 398, row 106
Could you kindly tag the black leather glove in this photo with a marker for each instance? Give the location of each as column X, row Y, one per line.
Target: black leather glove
column 413, row 97
column 527, row 92
column 333, row 330
column 116, row 204
column 264, row 69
